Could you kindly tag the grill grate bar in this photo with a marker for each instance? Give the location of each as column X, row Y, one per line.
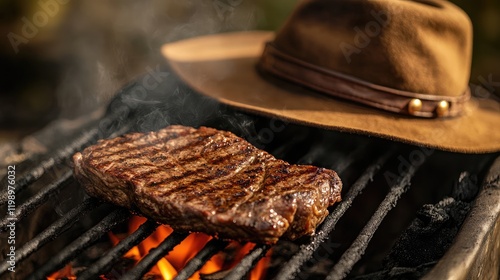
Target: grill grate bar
column 290, row 145
column 248, row 262
column 355, row 155
column 39, row 198
column 115, row 253
column 352, row 255
column 212, row 247
column 334, row 159
column 63, row 153
column 52, row 232
column 154, row 256
column 36, row 172
column 316, row 154
column 84, row 241
column 292, row 267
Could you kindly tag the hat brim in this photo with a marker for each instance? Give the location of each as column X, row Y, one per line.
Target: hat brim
column 223, row 66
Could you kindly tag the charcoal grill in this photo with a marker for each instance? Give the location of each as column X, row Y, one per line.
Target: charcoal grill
column 385, row 183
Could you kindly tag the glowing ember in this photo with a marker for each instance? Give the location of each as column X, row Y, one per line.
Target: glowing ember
column 169, row 265
column 65, row 273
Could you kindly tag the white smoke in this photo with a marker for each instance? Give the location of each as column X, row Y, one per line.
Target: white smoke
column 106, row 44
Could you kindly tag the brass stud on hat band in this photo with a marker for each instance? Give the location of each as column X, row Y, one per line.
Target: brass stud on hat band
column 280, row 64
column 414, row 106
column 442, row 108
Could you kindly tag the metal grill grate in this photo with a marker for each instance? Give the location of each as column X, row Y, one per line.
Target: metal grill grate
column 313, row 146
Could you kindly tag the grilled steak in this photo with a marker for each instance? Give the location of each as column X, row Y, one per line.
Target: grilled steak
column 209, row 181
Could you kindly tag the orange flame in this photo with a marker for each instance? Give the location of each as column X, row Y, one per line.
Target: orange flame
column 169, row 265
column 64, row 273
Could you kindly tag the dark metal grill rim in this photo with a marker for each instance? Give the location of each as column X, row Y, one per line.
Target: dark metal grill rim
column 467, row 258
column 289, row 270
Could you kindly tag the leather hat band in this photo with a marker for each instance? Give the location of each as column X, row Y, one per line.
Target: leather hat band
column 333, row 83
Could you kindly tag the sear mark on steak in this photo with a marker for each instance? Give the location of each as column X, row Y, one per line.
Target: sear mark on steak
column 207, row 180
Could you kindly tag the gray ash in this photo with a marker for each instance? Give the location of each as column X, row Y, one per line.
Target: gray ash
column 431, row 233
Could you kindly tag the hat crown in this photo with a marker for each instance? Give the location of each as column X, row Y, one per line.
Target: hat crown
column 408, row 82
column 420, row 46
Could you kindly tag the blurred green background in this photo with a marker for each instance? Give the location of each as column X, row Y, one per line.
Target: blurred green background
column 81, row 52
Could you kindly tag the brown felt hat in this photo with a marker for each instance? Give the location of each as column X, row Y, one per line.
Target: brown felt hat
column 397, row 69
